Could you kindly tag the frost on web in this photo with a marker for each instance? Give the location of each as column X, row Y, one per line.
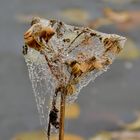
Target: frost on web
column 60, row 55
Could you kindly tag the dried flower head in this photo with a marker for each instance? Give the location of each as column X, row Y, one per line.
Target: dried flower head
column 62, row 59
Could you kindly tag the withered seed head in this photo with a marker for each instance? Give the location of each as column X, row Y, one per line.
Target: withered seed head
column 70, row 89
column 76, row 69
column 106, row 40
column 47, row 33
column 35, row 20
column 112, row 45
column 85, row 58
column 37, row 31
column 93, row 34
column 98, row 65
column 107, row 62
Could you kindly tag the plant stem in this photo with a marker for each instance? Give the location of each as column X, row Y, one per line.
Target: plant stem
column 62, row 116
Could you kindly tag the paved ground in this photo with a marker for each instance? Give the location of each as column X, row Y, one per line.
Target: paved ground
column 113, row 97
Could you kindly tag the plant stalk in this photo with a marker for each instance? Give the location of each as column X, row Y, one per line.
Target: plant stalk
column 62, row 116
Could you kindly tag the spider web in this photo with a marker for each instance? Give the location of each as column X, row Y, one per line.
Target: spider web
column 43, row 81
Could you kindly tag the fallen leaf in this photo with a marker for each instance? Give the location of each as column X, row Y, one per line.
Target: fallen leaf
column 102, row 136
column 39, row 135
column 124, row 20
column 133, row 22
column 135, row 125
column 117, row 135
column 121, row 1
column 114, row 16
column 72, row 111
column 75, row 15
column 125, row 135
column 68, row 137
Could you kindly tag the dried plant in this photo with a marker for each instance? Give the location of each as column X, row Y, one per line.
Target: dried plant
column 62, row 59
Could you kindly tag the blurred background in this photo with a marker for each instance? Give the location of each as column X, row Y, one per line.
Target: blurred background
column 106, row 108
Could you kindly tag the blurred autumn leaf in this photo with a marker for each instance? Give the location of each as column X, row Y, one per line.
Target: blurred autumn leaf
column 117, row 135
column 133, row 126
column 117, row 17
column 69, row 137
column 30, row 136
column 75, row 15
column 102, row 136
column 39, row 135
column 123, row 20
column 121, row 1
column 72, row 111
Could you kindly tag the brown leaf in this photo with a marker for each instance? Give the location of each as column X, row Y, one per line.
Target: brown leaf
column 72, row 111
column 117, row 135
column 75, row 15
column 124, row 20
column 121, row 1
column 134, row 21
column 117, row 17
column 39, row 135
